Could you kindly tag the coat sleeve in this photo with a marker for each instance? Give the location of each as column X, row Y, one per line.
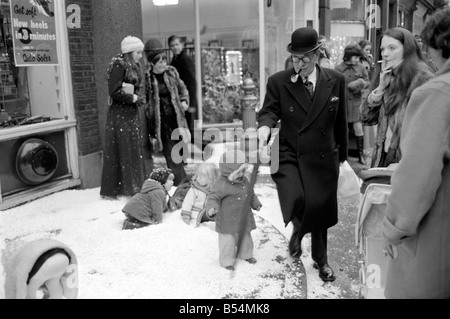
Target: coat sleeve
column 158, row 204
column 116, row 78
column 255, row 203
column 188, row 201
column 270, row 112
column 181, row 86
column 425, row 148
column 214, row 198
column 340, row 127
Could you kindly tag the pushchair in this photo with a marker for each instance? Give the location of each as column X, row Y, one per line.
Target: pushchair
column 369, row 238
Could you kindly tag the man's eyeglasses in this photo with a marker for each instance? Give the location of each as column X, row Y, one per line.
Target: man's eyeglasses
column 305, row 59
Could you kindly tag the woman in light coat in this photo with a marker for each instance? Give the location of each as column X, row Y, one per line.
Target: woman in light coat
column 417, row 223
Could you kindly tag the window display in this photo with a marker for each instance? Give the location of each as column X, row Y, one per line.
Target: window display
column 14, row 94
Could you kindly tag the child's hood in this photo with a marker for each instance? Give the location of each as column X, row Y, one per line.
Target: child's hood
column 231, row 164
column 151, row 185
column 204, row 189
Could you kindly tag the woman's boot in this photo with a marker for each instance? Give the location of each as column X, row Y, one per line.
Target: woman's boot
column 360, row 147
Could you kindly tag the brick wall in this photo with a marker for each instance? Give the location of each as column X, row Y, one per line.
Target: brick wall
column 82, row 60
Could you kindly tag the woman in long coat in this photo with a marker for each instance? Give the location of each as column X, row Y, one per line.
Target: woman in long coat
column 417, row 223
column 356, row 80
column 123, row 156
column 168, row 102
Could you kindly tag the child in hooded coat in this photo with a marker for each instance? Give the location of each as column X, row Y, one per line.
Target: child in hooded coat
column 227, row 201
column 192, row 210
column 147, row 207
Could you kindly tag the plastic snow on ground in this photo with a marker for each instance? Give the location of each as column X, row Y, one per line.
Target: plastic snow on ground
column 171, row 260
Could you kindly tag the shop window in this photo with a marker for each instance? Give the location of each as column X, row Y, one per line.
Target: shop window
column 14, row 92
column 28, row 94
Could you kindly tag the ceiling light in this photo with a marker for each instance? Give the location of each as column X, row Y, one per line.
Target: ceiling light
column 165, row 2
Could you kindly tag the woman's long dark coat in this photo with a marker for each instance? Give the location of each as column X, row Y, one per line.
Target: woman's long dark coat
column 312, row 143
column 123, row 157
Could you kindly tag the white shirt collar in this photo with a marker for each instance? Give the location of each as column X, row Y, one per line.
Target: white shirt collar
column 313, row 77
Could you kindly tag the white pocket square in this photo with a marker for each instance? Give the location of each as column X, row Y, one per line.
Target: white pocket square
column 334, row 99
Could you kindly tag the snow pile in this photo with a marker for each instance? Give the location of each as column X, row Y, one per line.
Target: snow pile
column 170, row 260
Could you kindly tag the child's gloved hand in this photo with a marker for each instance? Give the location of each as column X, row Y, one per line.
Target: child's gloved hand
column 186, row 217
column 211, row 212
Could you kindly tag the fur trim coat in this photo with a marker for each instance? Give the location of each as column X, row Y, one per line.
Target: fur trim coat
column 178, row 93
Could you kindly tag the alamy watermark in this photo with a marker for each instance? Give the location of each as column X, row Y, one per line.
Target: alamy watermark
column 245, row 140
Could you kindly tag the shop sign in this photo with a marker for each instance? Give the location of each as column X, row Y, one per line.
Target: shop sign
column 33, row 32
column 340, row 4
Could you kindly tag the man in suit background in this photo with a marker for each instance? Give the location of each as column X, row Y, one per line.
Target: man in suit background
column 186, row 68
column 309, row 102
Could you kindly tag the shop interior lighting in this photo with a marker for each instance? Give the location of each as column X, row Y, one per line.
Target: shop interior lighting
column 161, row 3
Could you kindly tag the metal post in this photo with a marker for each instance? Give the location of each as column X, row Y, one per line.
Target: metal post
column 249, row 103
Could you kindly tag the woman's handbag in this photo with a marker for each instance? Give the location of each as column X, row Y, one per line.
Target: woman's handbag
column 127, row 88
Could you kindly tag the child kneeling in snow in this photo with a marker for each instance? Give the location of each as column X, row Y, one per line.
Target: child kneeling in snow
column 227, row 202
column 147, row 207
column 192, row 210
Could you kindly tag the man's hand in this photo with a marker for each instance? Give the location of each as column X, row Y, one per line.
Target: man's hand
column 263, row 136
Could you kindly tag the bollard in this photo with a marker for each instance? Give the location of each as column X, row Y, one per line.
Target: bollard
column 249, row 139
column 248, row 104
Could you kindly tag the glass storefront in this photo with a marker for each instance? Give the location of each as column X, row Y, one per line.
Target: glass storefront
column 31, row 94
column 234, row 36
column 37, row 117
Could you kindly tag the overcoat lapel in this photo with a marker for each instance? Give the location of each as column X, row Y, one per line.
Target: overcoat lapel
column 324, row 86
column 298, row 91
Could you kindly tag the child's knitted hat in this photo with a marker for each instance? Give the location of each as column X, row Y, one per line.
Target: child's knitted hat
column 161, row 174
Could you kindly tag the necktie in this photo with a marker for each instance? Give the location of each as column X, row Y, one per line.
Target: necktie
column 310, row 87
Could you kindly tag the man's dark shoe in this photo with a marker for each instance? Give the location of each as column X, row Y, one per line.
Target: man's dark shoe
column 295, row 246
column 326, row 273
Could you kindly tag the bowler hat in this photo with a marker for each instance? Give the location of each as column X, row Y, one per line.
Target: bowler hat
column 153, row 47
column 304, row 40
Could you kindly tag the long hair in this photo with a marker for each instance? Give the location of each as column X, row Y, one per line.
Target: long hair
column 413, row 64
column 436, row 32
column 208, row 170
column 134, row 72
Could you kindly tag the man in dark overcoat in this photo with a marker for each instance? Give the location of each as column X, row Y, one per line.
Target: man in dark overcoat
column 186, row 68
column 309, row 102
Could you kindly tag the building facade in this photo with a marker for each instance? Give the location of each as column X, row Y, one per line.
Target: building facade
column 53, row 113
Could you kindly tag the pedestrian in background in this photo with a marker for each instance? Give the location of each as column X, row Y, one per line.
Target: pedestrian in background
column 356, row 80
column 416, row 227
column 402, row 70
column 186, row 68
column 168, row 102
column 123, row 157
column 325, row 53
column 367, row 59
column 310, row 103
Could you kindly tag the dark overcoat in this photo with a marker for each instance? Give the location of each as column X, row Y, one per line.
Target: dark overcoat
column 312, row 143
